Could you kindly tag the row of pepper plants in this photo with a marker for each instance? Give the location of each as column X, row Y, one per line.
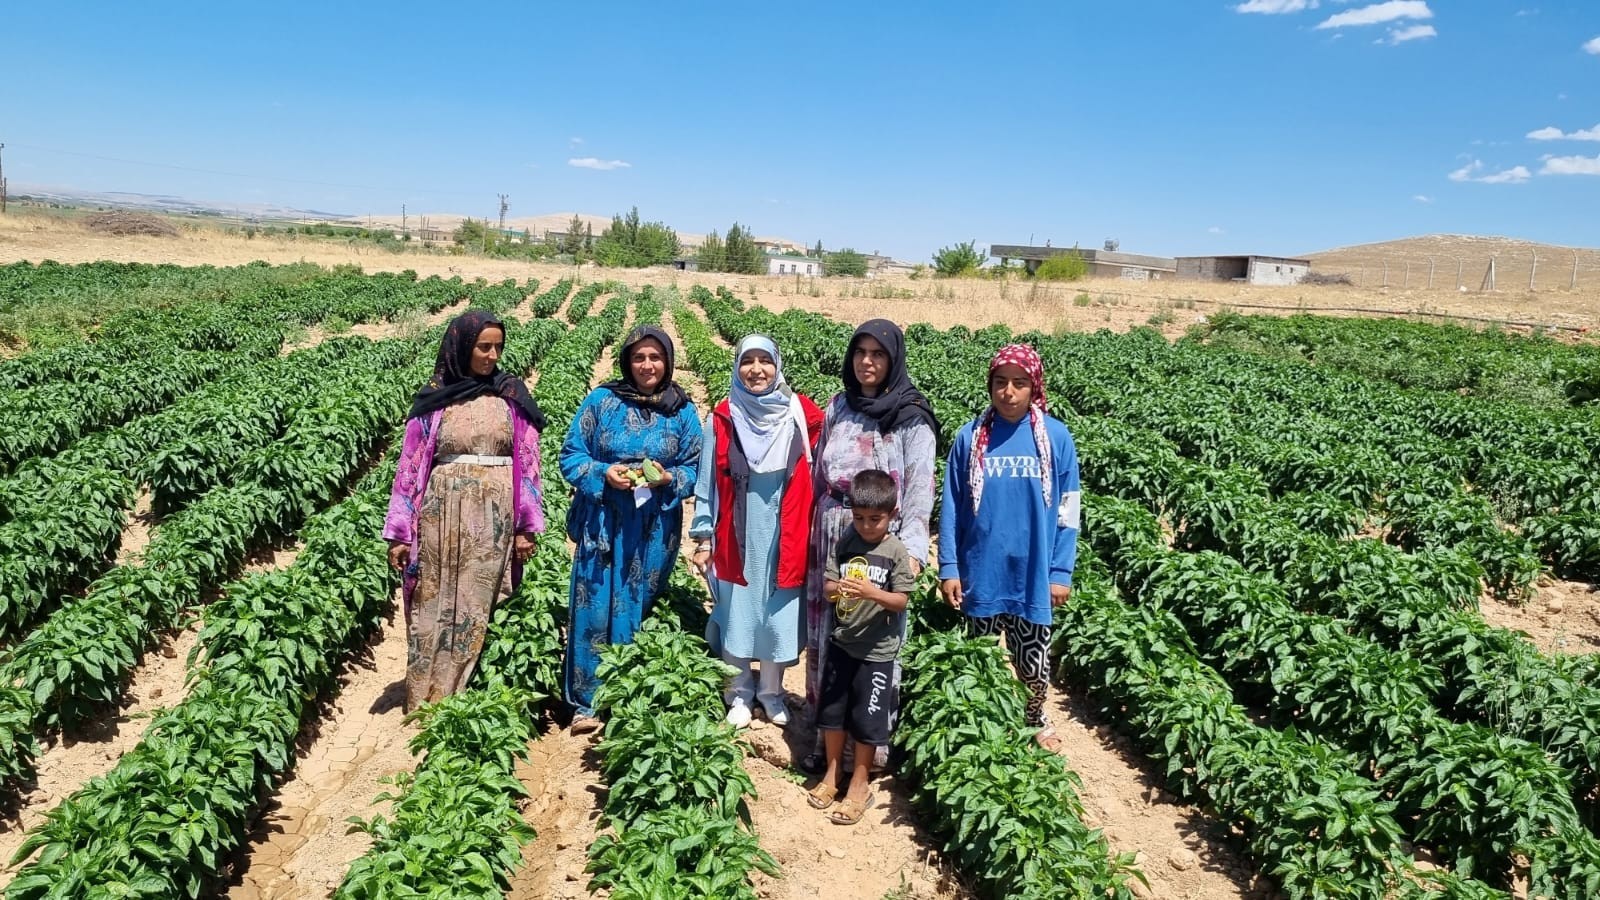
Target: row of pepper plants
column 67, row 513
column 129, row 372
column 163, row 822
column 1508, row 483
column 82, row 311
column 454, row 828
column 1445, row 357
column 1421, row 605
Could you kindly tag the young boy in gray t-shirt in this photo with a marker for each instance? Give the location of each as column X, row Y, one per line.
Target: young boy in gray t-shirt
column 867, row 580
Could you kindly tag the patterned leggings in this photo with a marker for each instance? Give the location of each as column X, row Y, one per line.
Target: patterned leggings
column 1030, row 653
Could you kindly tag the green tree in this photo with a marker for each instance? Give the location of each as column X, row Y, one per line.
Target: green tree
column 712, row 256
column 741, row 253
column 472, row 234
column 572, row 241
column 633, row 243
column 845, row 262
column 961, row 259
column 817, row 250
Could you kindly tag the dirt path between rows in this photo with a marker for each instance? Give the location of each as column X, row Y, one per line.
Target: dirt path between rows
column 66, row 763
column 1184, row 852
column 298, row 846
column 1561, row 617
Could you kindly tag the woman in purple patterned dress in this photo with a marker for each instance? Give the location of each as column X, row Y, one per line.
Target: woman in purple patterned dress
column 466, row 504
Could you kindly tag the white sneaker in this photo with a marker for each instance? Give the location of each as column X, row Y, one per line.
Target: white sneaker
column 777, row 713
column 739, row 713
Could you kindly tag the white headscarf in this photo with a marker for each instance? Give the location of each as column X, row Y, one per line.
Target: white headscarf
column 767, row 423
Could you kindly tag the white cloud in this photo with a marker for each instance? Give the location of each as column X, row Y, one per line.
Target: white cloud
column 1410, row 33
column 1215, row 229
column 1379, row 13
column 1552, row 133
column 1472, row 171
column 1422, row 198
column 601, row 165
column 1592, row 46
column 1571, row 165
column 575, row 142
column 1275, row 7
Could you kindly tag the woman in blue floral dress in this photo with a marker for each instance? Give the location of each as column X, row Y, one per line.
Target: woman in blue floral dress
column 626, row 537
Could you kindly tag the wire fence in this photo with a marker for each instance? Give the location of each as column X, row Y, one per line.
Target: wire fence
column 1506, row 272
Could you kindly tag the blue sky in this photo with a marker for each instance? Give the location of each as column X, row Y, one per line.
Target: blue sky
column 1270, row 126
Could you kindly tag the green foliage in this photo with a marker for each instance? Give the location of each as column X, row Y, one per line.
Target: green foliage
column 961, row 259
column 713, row 254
column 740, row 255
column 845, row 262
column 631, row 243
column 1063, row 267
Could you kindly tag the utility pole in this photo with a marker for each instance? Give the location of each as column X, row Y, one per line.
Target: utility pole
column 2, row 183
column 1533, row 270
column 403, row 219
column 504, row 205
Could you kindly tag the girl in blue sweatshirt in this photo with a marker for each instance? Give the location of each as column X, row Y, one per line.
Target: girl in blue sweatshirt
column 1008, row 529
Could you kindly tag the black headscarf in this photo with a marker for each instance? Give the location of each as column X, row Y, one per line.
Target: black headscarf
column 897, row 400
column 668, row 397
column 453, row 381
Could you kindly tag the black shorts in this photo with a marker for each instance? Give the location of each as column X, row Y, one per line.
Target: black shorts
column 859, row 693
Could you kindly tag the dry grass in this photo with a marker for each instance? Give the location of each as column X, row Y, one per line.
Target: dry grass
column 1051, row 307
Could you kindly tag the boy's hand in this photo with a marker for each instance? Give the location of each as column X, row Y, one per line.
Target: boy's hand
column 951, row 589
column 1059, row 594
column 858, row 588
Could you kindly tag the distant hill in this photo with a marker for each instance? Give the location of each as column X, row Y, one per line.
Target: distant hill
column 166, row 203
column 1469, row 255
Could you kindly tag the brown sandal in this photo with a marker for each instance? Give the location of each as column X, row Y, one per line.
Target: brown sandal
column 822, row 796
column 851, row 811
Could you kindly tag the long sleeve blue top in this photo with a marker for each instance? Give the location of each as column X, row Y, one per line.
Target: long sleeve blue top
column 1009, row 552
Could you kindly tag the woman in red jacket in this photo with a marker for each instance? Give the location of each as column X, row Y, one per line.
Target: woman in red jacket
column 752, row 518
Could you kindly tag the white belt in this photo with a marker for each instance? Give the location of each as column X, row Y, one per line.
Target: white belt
column 473, row 459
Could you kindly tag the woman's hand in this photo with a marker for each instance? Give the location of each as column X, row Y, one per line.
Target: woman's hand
column 617, row 477
column 399, row 555
column 1059, row 594
column 951, row 589
column 701, row 559
column 522, row 547
column 665, row 480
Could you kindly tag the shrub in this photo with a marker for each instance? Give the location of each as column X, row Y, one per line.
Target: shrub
column 1065, row 267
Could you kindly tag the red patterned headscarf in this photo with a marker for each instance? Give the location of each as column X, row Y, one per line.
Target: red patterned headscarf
column 1027, row 359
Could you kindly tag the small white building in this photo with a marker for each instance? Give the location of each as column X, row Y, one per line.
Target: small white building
column 789, row 264
column 1249, row 269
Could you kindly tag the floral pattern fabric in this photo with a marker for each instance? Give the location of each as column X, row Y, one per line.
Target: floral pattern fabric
column 624, row 551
